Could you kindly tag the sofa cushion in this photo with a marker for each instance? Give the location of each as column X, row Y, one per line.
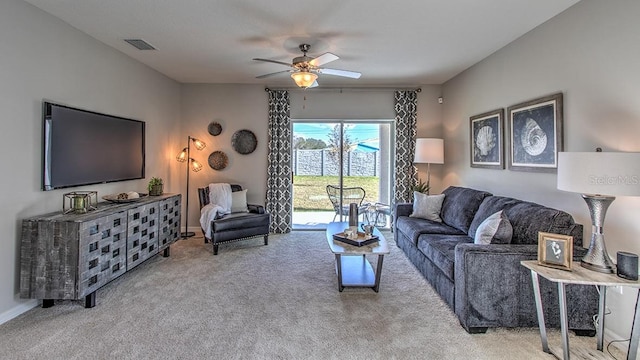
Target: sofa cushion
column 460, row 206
column 427, row 206
column 412, row 228
column 496, row 229
column 489, row 206
column 527, row 219
column 440, row 249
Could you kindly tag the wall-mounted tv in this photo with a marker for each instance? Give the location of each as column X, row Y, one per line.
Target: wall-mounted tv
column 83, row 147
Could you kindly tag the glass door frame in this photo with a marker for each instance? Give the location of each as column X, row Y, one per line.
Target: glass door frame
column 342, row 122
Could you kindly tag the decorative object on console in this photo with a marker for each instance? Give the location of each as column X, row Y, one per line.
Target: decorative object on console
column 218, row 160
column 185, row 156
column 244, row 141
column 79, row 202
column 555, row 250
column 627, row 265
column 599, row 177
column 214, row 128
column 535, row 134
column 156, row 186
column 124, row 197
column 429, row 151
column 487, row 140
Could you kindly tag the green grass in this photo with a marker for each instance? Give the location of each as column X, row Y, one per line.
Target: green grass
column 310, row 193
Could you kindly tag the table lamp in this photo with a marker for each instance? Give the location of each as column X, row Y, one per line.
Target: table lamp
column 429, row 151
column 599, row 177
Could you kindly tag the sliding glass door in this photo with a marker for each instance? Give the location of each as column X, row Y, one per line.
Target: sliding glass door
column 336, row 163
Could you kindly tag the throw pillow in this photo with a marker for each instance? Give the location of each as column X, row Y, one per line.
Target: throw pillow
column 239, row 201
column 427, row 206
column 496, row 229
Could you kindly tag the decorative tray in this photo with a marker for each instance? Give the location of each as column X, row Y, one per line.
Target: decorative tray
column 115, row 198
column 361, row 240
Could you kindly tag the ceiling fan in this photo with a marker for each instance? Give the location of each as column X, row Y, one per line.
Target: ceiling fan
column 305, row 69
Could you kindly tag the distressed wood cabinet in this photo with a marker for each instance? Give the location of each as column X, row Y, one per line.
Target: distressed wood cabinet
column 70, row 256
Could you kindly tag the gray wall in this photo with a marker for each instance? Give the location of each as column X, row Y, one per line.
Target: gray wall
column 44, row 58
column 320, row 162
column 590, row 53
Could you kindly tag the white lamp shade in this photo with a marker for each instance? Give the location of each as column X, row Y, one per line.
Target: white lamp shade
column 599, row 173
column 429, row 151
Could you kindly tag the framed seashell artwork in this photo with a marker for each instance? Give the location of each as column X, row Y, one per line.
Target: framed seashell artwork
column 535, row 134
column 487, row 140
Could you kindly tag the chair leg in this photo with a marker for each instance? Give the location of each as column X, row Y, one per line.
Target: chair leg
column 206, row 240
column 334, row 217
column 215, row 249
column 266, row 239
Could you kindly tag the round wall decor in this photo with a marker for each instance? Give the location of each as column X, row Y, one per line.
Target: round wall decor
column 215, row 128
column 218, row 160
column 244, row 141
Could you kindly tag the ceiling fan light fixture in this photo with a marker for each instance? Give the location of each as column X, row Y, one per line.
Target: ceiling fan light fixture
column 304, row 79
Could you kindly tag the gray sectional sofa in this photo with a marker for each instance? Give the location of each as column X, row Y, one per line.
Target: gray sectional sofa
column 485, row 285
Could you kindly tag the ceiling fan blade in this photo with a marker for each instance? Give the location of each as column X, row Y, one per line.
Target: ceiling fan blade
column 323, row 59
column 274, row 61
column 315, row 83
column 345, row 73
column 271, row 74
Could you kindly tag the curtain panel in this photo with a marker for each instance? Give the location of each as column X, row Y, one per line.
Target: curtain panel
column 279, row 190
column 406, row 104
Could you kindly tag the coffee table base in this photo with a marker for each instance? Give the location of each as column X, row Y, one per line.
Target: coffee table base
column 357, row 271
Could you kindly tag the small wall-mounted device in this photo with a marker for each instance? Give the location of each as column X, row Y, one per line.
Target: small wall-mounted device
column 440, row 100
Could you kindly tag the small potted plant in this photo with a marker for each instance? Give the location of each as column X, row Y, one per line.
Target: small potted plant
column 155, row 186
column 422, row 187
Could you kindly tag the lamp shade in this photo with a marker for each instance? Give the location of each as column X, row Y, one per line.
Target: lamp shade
column 304, row 79
column 600, row 173
column 429, row 151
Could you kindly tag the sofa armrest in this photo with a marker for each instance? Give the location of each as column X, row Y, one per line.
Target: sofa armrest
column 492, row 287
column 256, row 209
column 403, row 209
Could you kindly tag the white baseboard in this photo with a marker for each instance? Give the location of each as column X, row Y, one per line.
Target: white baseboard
column 18, row 310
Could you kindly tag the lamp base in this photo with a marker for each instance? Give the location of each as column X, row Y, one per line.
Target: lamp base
column 603, row 268
column 187, row 234
column 597, row 258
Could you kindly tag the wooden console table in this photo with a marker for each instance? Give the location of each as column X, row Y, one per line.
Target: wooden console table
column 70, row 256
column 582, row 276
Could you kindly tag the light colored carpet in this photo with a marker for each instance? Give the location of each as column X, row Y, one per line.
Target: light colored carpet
column 260, row 302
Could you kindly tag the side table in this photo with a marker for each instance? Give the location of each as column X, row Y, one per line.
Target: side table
column 582, row 276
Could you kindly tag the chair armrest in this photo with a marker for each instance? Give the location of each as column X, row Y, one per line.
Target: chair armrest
column 256, row 209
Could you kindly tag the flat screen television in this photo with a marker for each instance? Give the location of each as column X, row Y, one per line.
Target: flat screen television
column 84, row 147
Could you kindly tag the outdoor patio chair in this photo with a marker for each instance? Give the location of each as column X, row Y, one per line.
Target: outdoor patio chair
column 349, row 195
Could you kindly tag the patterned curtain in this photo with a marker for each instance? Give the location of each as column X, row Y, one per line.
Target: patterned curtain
column 406, row 104
column 278, row 201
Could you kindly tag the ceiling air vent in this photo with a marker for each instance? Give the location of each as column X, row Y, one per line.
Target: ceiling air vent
column 140, row 44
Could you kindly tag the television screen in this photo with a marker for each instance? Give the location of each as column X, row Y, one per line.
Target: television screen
column 82, row 147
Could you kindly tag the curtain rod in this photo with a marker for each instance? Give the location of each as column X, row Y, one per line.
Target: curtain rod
column 341, row 89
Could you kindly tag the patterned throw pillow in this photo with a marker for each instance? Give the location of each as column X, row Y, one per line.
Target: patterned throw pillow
column 427, row 206
column 496, row 229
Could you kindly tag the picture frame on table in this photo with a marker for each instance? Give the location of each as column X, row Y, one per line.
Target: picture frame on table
column 487, row 140
column 555, row 250
column 536, row 134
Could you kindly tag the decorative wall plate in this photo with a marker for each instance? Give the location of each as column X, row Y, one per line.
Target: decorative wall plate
column 218, row 160
column 244, row 141
column 214, row 128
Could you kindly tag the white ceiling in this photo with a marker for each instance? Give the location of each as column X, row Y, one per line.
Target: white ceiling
column 401, row 42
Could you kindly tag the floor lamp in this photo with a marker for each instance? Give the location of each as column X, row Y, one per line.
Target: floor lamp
column 599, row 177
column 429, row 151
column 185, row 156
